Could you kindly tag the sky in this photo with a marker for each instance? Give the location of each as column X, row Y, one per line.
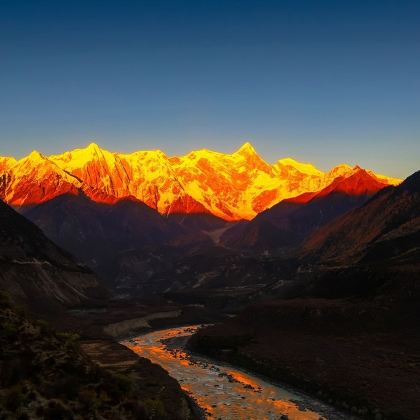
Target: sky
column 321, row 81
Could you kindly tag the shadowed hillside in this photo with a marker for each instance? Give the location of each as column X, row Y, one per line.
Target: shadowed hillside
column 36, row 272
column 50, row 375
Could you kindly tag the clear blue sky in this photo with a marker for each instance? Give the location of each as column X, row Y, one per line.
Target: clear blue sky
column 322, row 81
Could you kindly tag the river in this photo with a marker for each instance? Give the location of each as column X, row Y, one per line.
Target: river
column 223, row 391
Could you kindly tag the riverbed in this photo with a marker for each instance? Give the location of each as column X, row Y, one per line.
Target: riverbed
column 223, row 391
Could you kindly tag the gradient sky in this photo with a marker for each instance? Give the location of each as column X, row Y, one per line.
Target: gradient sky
column 322, row 81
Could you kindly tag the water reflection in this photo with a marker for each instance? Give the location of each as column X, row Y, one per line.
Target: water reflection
column 222, row 391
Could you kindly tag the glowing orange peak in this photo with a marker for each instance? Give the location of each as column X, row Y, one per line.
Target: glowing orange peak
column 35, row 155
column 93, row 147
column 246, row 149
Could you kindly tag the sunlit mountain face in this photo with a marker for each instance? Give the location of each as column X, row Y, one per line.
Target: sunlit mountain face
column 233, row 186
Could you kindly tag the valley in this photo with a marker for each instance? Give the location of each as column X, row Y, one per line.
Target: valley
column 222, row 390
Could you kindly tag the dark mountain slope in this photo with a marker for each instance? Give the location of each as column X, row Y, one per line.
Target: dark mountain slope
column 122, row 242
column 198, row 221
column 36, row 272
column 387, row 226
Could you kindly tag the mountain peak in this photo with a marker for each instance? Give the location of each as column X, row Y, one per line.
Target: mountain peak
column 35, row 155
column 246, row 148
column 93, row 147
column 360, row 182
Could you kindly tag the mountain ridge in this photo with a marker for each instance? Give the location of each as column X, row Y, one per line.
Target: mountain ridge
column 235, row 186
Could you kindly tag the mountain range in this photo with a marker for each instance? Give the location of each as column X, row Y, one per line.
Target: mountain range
column 141, row 219
column 232, row 187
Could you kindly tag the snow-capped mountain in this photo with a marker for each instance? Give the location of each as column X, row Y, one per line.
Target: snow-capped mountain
column 230, row 186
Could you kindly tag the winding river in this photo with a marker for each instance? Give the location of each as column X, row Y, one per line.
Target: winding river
column 223, row 391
